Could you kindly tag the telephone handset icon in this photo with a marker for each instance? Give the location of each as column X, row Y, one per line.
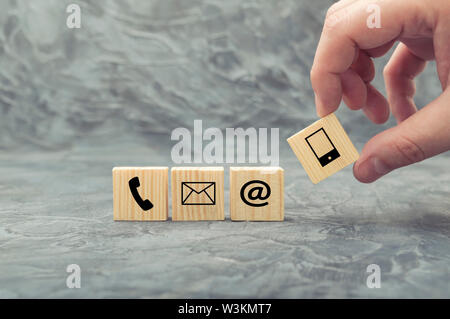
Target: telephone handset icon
column 134, row 185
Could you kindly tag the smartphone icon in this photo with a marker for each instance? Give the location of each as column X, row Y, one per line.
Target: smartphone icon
column 134, row 185
column 322, row 147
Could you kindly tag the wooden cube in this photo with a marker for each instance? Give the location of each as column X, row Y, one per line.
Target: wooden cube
column 257, row 193
column 141, row 193
column 323, row 148
column 197, row 193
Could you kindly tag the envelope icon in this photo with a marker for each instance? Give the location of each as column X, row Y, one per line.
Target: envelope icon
column 198, row 193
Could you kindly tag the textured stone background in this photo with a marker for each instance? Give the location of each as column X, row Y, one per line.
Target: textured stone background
column 75, row 103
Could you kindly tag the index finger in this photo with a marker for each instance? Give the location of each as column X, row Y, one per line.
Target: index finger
column 361, row 25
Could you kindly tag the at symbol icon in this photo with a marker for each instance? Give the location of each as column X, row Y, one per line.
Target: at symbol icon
column 255, row 193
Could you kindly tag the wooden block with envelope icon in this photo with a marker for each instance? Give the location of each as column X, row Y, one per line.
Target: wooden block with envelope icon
column 323, row 148
column 197, row 193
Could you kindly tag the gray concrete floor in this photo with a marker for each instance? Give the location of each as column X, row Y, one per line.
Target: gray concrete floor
column 56, row 210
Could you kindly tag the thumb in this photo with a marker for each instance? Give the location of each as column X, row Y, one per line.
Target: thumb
column 424, row 134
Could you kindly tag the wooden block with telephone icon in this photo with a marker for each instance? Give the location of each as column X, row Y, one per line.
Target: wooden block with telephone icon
column 141, row 193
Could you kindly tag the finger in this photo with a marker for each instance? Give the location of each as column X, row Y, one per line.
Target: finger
column 442, row 52
column 422, row 135
column 364, row 67
column 399, row 76
column 381, row 50
column 376, row 108
column 422, row 48
column 328, row 94
column 354, row 90
column 344, row 32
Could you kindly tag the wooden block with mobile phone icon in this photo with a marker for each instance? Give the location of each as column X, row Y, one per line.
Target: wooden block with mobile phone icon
column 257, row 193
column 323, row 148
column 141, row 193
column 197, row 193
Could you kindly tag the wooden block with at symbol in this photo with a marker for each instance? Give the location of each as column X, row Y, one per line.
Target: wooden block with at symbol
column 323, row 148
column 141, row 193
column 257, row 193
column 197, row 193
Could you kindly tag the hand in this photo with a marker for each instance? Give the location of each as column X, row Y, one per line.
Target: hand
column 343, row 69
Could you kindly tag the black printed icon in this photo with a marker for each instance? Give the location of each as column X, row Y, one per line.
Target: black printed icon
column 134, row 185
column 322, row 147
column 198, row 193
column 255, row 193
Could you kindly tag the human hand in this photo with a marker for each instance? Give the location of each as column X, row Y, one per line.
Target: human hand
column 343, row 69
